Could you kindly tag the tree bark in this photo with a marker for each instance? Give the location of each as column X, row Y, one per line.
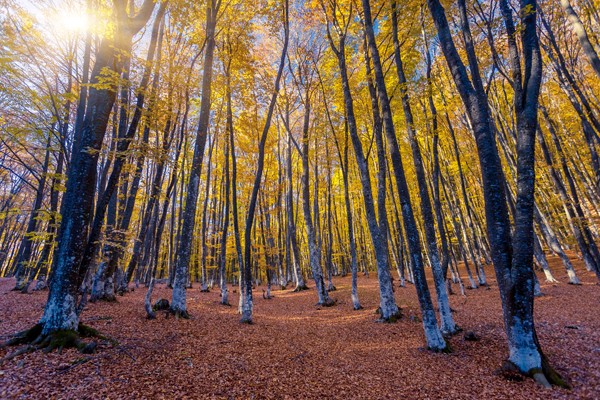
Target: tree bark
column 447, row 322
column 247, row 285
column 582, row 35
column 433, row 335
column 178, row 302
column 61, row 311
column 514, row 271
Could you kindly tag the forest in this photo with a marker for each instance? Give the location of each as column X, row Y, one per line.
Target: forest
column 299, row 199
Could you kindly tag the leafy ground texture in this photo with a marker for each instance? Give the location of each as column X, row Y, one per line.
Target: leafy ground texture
column 296, row 350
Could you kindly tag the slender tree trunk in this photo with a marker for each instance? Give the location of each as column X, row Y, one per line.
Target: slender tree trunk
column 178, row 303
column 247, row 285
column 433, row 335
column 582, row 35
column 389, row 309
column 291, row 234
column 329, row 251
column 314, row 247
column 203, row 240
column 447, row 322
column 109, row 194
column 223, row 259
column 23, row 264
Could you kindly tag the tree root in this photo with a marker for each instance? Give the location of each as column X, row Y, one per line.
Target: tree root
column 23, row 350
column 25, row 289
column 57, row 340
column 179, row 313
column 75, row 364
column 510, row 372
column 445, row 350
column 329, row 302
column 150, row 314
column 25, row 337
column 545, row 376
column 161, row 305
column 21, row 286
column 448, row 334
column 389, row 320
column 553, row 377
column 89, row 332
column 300, row 288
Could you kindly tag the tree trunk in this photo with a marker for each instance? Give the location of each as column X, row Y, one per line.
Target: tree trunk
column 314, row 248
column 513, row 271
column 291, row 234
column 178, row 303
column 61, row 311
column 26, row 249
column 247, row 285
column 447, row 322
column 433, row 335
column 584, row 40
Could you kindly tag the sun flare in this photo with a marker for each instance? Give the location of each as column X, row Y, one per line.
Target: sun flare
column 74, row 21
column 70, row 21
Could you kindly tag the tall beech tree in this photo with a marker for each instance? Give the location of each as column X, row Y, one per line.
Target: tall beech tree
column 512, row 254
column 377, row 221
column 246, row 286
column 447, row 322
column 178, row 303
column 433, row 335
column 62, row 308
column 104, row 282
column 305, row 82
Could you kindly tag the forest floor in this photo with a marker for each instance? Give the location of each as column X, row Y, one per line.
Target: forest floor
column 296, row 350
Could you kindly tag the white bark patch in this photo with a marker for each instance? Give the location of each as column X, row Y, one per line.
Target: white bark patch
column 572, row 277
column 69, row 309
column 178, row 302
column 549, row 277
column 224, row 296
column 433, row 336
column 109, row 288
column 523, row 351
column 60, row 316
column 355, row 301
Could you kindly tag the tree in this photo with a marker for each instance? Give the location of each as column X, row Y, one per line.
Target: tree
column 178, row 303
column 62, row 310
column 433, row 335
column 582, row 35
column 512, row 256
column 447, row 322
column 247, row 275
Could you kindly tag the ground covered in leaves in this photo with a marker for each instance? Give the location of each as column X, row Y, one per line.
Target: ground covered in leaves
column 296, row 350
